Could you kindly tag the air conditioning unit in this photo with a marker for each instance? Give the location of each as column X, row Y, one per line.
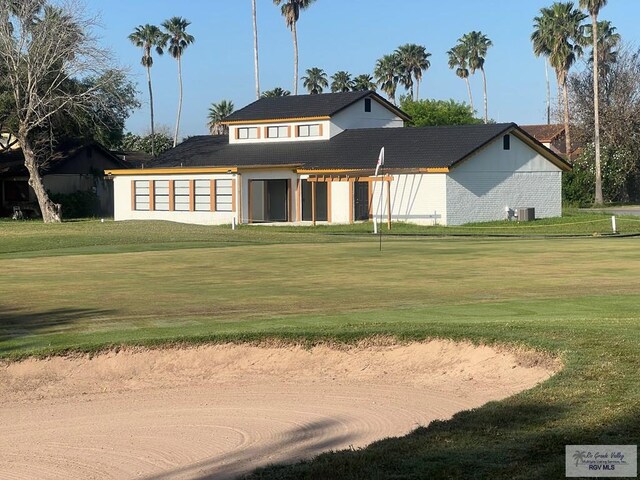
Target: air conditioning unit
column 526, row 214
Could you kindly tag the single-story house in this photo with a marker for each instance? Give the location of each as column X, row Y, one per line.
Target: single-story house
column 312, row 158
column 77, row 168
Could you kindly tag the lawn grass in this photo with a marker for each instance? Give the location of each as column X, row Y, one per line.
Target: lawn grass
column 85, row 286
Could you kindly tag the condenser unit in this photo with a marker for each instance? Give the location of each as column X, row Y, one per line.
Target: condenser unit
column 526, row 214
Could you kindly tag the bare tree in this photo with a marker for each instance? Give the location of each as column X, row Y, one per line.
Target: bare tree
column 45, row 49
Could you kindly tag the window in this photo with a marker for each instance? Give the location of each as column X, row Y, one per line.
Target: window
column 367, row 104
column 248, row 132
column 277, row 132
column 203, row 195
column 161, row 195
column 309, row 130
column 181, row 194
column 506, row 142
column 141, row 194
column 224, row 195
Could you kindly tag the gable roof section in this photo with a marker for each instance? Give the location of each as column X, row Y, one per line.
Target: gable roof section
column 544, row 133
column 322, row 105
column 435, row 148
column 12, row 162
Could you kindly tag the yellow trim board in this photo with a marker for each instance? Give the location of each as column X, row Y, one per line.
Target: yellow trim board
column 275, row 120
column 331, row 170
column 170, row 171
column 434, row 170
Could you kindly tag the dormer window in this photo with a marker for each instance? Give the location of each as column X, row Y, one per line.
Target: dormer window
column 314, row 130
column 247, row 133
column 277, row 132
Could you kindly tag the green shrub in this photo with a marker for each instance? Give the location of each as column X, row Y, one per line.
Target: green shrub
column 78, row 204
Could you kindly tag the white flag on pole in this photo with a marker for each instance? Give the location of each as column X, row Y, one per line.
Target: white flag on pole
column 380, row 161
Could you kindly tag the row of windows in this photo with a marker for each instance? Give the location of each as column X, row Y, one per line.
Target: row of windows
column 312, row 130
column 183, row 195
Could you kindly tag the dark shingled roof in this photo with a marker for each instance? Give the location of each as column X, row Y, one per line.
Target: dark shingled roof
column 12, row 162
column 405, row 148
column 299, row 106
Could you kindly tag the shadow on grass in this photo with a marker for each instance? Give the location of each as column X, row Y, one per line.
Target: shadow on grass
column 517, row 440
column 15, row 324
column 306, row 441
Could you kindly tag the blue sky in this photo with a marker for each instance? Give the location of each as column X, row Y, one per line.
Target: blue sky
column 335, row 35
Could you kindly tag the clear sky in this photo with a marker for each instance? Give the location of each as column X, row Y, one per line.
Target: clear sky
column 335, row 35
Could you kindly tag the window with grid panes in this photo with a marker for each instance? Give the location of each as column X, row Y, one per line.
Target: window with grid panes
column 181, row 195
column 161, row 195
column 309, row 130
column 247, row 133
column 203, row 195
column 224, row 195
column 141, row 192
column 277, row 132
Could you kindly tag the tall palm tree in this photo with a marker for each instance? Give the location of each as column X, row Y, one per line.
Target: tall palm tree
column 458, row 60
column 217, row 113
column 341, row 82
column 149, row 37
column 558, row 35
column 255, row 48
column 608, row 41
column 364, row 82
column 387, row 73
column 414, row 59
column 179, row 40
column 476, row 45
column 315, row 80
column 593, row 7
column 291, row 13
column 276, row 92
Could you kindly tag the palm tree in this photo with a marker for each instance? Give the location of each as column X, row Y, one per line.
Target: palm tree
column 291, row 13
column 276, row 92
column 414, row 59
column 341, row 82
column 557, row 35
column 387, row 73
column 149, row 37
column 458, row 60
column 608, row 41
column 255, row 47
column 217, row 113
column 315, row 80
column 476, row 45
column 364, row 82
column 593, row 7
column 178, row 40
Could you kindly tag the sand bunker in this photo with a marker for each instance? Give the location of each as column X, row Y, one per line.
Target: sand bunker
column 220, row 411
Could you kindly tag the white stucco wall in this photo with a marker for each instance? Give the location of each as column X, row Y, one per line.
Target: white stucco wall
column 354, row 116
column 263, row 126
column 123, row 204
column 415, row 198
column 340, row 202
column 483, row 186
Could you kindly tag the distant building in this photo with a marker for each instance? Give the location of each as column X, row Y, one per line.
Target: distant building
column 312, row 158
column 70, row 169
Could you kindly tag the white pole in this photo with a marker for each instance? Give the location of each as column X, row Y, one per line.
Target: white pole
column 375, row 225
column 613, row 224
column 233, row 223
